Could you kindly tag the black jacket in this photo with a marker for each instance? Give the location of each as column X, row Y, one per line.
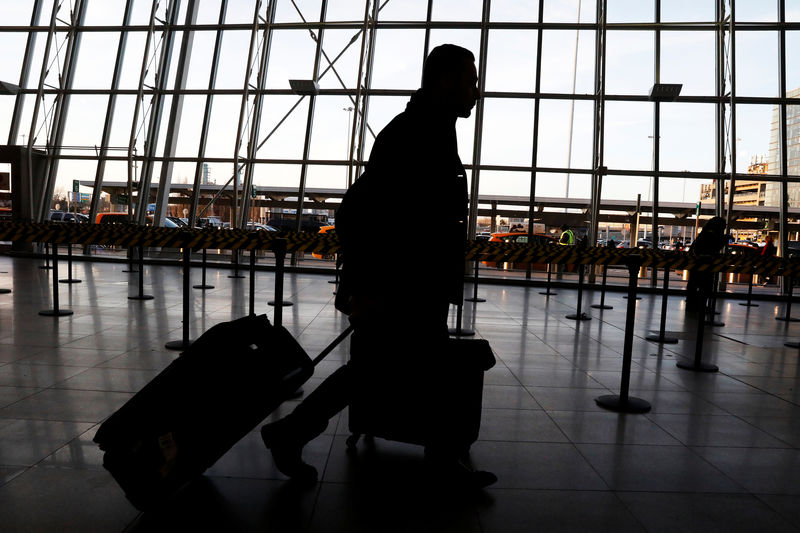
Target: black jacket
column 402, row 224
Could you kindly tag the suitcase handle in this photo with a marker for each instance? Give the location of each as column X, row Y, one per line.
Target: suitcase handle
column 328, row 349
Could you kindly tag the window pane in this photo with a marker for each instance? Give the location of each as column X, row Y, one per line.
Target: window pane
column 288, row 139
column 629, row 68
column 626, row 188
column 507, row 132
column 792, row 10
column 753, row 126
column 101, row 13
column 382, row 109
column 554, row 134
column 94, row 67
column 511, row 61
column 514, row 11
column 208, row 12
column 757, row 63
column 457, row 10
column 567, row 11
column 346, row 10
column 222, row 126
column 793, row 138
column 398, row 59
column 292, row 57
column 628, row 127
column 687, row 11
column 405, row 10
column 697, row 75
column 684, row 190
column 495, row 182
column 469, row 39
column 12, row 56
column 792, row 59
column 346, row 67
column 560, row 65
column 630, row 11
column 286, row 11
column 332, row 128
column 687, row 137
column 200, row 61
column 18, row 12
column 326, row 177
column 550, row 185
column 756, row 11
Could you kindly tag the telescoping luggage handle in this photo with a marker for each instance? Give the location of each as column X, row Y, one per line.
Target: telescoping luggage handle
column 342, row 336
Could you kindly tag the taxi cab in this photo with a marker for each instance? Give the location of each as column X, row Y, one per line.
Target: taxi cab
column 520, row 238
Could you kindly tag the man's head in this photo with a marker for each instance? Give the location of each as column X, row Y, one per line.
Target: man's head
column 450, row 77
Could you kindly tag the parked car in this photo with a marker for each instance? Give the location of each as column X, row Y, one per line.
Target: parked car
column 66, row 216
column 521, row 238
column 180, row 222
column 122, row 218
column 256, row 226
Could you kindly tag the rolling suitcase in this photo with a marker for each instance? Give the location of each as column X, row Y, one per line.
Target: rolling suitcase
column 440, row 401
column 230, row 379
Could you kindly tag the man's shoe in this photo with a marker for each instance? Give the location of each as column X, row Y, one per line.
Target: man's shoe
column 457, row 474
column 287, row 452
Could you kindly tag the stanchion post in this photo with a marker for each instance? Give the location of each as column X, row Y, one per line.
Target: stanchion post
column 69, row 279
column 698, row 365
column 662, row 336
column 548, row 292
column 279, row 249
column 712, row 304
column 459, row 330
column 187, row 267
column 235, row 274
column 788, row 317
column 130, row 260
column 624, row 402
column 55, row 311
column 749, row 302
column 252, row 282
column 141, row 295
column 46, row 265
column 602, row 304
column 203, row 285
column 475, row 298
column 579, row 315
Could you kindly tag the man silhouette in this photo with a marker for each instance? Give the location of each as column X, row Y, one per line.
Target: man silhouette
column 389, row 280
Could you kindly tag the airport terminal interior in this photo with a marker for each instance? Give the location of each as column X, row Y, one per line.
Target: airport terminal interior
column 611, row 406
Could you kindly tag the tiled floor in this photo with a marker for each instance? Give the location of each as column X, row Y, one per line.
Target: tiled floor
column 718, row 452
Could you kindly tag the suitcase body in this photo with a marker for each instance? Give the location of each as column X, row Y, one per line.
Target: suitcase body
column 438, row 402
column 230, row 379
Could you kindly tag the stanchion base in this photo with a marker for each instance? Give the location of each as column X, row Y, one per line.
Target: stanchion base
column 332, row 281
column 130, row 271
column 787, row 319
column 202, row 286
column 283, row 304
column 582, row 316
column 614, row 402
column 55, row 312
column 476, row 300
column 463, row 332
column 5, row 291
column 702, row 367
column 548, row 293
column 236, row 276
column 69, row 280
column 714, row 323
column 177, row 345
column 45, row 267
column 662, row 339
column 638, row 297
column 792, row 344
column 141, row 297
column 749, row 305
column 598, row 306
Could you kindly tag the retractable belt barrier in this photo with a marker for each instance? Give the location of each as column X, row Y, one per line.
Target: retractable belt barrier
column 328, row 243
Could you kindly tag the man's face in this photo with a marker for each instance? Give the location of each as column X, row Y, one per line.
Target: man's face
column 465, row 90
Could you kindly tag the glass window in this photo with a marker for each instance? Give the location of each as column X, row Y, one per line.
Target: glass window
column 18, row 13
column 222, row 126
column 132, row 62
column 85, row 119
column 200, row 61
column 208, row 12
column 697, row 74
column 688, row 11
column 792, row 10
column 326, row 177
column 291, row 58
column 469, row 39
column 346, row 10
column 507, row 132
column 792, row 59
column 683, row 190
column 628, row 128
column 754, row 124
column 511, row 61
column 551, row 185
column 505, row 183
column 629, row 62
column 756, row 11
column 687, row 137
column 757, row 63
column 405, row 10
column 12, row 57
column 561, row 67
column 567, row 11
column 630, row 11
column 269, row 175
column 102, row 13
column 382, row 109
column 287, row 141
column 457, row 10
column 345, row 68
column 332, row 128
column 514, row 11
column 191, row 125
column 793, row 140
column 94, row 68
column 398, row 59
column 296, row 11
column 555, row 125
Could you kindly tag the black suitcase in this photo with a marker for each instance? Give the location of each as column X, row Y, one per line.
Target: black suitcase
column 412, row 404
column 230, row 379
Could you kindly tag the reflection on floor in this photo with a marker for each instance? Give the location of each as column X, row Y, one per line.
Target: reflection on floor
column 718, row 452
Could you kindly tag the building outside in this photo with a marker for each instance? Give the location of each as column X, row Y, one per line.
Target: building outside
column 793, row 153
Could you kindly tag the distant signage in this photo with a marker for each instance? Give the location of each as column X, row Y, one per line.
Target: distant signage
column 5, row 182
column 76, row 186
column 121, row 199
